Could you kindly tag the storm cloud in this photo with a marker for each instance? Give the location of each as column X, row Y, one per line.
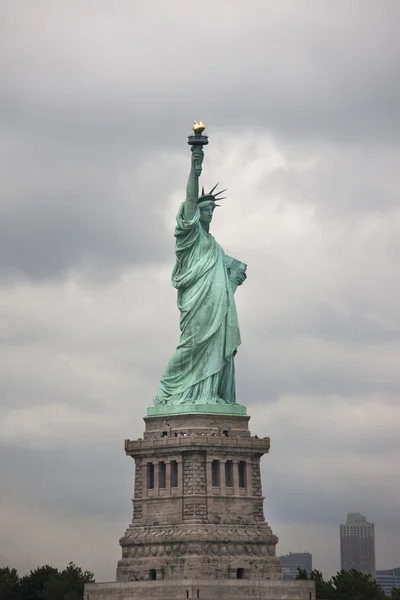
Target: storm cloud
column 301, row 99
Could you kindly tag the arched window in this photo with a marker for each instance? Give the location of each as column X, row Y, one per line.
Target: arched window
column 152, row 574
column 239, row 573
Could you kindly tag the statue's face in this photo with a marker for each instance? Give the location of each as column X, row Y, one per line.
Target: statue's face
column 206, row 212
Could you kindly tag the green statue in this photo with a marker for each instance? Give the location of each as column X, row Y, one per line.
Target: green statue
column 202, row 369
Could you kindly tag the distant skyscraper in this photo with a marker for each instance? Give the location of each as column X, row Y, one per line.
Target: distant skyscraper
column 357, row 544
column 293, row 561
column 388, row 579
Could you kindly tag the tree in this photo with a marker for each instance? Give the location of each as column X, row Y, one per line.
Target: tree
column 353, row 585
column 323, row 589
column 30, row 587
column 44, row 583
column 395, row 595
column 345, row 585
column 67, row 584
column 8, row 581
column 301, row 573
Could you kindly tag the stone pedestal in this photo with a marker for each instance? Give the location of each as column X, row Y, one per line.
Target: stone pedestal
column 198, row 527
column 221, row 589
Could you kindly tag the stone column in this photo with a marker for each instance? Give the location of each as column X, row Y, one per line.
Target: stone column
column 144, row 468
column 235, row 477
column 256, row 475
column 139, row 490
column 249, row 478
column 138, row 481
column 179, row 460
column 209, row 476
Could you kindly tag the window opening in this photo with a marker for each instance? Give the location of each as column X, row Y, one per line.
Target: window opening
column 174, row 473
column 215, row 476
column 152, row 575
column 239, row 573
column 229, row 473
column 242, row 474
column 150, row 476
column 162, row 474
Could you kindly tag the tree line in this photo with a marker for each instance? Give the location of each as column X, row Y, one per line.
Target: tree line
column 48, row 583
column 44, row 583
column 347, row 585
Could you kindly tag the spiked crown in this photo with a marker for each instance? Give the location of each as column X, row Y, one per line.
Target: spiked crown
column 211, row 197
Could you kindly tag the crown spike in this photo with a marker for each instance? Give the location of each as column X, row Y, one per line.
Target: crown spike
column 202, row 191
column 211, row 191
column 221, row 192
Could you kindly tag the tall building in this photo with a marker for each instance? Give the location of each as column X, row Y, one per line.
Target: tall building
column 357, row 544
column 293, row 561
column 388, row 579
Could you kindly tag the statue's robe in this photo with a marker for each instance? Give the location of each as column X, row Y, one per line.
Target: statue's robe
column 202, row 368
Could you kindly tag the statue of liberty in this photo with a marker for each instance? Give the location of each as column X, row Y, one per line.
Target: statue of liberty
column 202, row 369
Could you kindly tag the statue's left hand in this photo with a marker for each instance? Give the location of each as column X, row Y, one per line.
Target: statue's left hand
column 240, row 278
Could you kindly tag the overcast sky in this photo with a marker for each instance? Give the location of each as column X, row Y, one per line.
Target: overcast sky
column 301, row 99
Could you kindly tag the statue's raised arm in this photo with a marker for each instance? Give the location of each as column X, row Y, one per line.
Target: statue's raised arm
column 192, row 188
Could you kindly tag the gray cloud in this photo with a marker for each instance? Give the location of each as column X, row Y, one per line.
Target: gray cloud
column 301, row 100
column 71, row 207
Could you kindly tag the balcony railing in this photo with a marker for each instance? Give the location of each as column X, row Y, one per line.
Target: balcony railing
column 198, row 440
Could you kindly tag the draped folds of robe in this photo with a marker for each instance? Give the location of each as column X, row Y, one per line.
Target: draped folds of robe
column 202, row 368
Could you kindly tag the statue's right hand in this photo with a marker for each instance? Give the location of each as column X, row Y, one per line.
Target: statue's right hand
column 197, row 159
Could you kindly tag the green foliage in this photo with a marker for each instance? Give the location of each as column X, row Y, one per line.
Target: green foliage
column 395, row 595
column 323, row 589
column 353, row 585
column 44, row 583
column 8, row 582
column 301, row 573
column 67, row 584
column 346, row 585
column 30, row 587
